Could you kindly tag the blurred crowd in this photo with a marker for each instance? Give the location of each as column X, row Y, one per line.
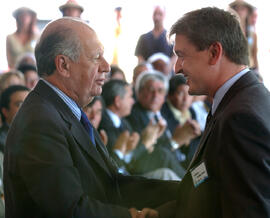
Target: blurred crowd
column 151, row 126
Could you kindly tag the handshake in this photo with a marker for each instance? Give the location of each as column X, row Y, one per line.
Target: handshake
column 145, row 213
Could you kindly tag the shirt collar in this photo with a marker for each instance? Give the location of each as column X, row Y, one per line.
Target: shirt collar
column 68, row 101
column 224, row 88
column 174, row 110
column 114, row 117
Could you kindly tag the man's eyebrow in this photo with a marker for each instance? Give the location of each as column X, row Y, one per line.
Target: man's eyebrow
column 178, row 52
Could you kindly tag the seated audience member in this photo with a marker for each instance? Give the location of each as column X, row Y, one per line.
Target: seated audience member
column 161, row 63
column 93, row 112
column 30, row 74
column 116, row 73
column 151, row 89
column 124, row 144
column 13, row 77
column 10, row 102
column 141, row 67
column 55, row 163
column 178, row 114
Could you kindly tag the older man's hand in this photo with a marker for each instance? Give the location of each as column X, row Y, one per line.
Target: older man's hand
column 147, row 213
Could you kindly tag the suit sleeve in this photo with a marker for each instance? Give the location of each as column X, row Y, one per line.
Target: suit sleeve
column 140, row 192
column 244, row 166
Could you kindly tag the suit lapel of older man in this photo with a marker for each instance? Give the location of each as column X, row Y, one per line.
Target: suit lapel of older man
column 74, row 125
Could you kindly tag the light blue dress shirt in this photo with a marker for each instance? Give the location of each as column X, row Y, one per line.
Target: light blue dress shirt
column 69, row 102
column 225, row 87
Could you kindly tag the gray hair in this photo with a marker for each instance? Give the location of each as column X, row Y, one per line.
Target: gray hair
column 112, row 89
column 153, row 75
column 64, row 41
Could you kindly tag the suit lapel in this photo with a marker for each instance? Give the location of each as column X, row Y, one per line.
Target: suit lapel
column 246, row 80
column 85, row 143
column 203, row 140
column 74, row 125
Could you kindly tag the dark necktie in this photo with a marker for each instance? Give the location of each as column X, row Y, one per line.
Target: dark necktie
column 156, row 118
column 88, row 127
column 121, row 127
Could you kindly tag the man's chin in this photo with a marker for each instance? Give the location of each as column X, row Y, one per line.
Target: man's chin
column 96, row 92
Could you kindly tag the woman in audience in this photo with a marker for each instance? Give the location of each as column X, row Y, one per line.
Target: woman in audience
column 24, row 38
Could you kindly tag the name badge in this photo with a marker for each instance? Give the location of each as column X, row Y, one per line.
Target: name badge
column 199, row 174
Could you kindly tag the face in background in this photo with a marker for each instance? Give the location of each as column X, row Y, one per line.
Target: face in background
column 152, row 95
column 193, row 64
column 126, row 103
column 94, row 113
column 25, row 19
column 137, row 71
column 161, row 66
column 252, row 20
column 31, row 79
column 16, row 100
column 180, row 98
column 158, row 16
column 72, row 12
column 87, row 75
column 242, row 11
column 118, row 75
column 13, row 80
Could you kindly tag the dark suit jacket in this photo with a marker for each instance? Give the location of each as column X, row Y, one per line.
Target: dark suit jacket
column 113, row 134
column 3, row 136
column 235, row 148
column 51, row 168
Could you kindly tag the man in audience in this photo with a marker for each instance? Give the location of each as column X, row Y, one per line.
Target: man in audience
column 138, row 69
column 230, row 172
column 126, row 146
column 155, row 40
column 10, row 101
column 30, row 74
column 53, row 154
column 151, row 89
column 71, row 9
column 161, row 63
column 93, row 112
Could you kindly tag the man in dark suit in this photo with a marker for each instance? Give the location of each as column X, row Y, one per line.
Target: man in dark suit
column 230, row 172
column 55, row 163
column 151, row 88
